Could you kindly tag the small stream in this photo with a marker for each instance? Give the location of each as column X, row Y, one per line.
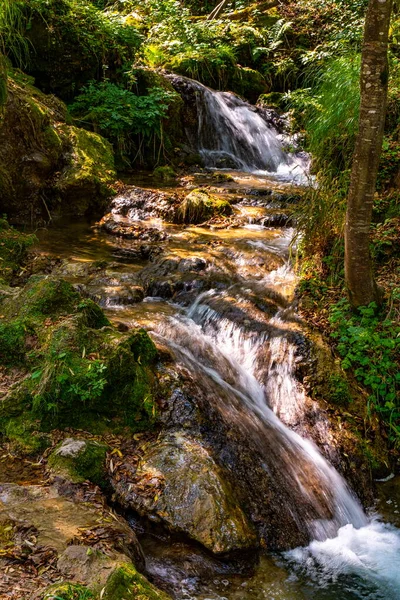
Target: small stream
column 352, row 555
column 229, row 320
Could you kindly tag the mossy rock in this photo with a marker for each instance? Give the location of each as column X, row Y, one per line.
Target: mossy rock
column 14, row 247
column 79, row 460
column 165, row 173
column 46, row 166
column 248, row 83
column 82, row 371
column 199, row 206
column 126, row 583
column 84, row 183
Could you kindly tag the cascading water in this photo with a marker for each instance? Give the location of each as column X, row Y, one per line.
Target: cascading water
column 234, row 134
column 347, row 544
column 228, row 355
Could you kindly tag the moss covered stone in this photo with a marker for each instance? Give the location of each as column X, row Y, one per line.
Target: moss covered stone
column 164, row 173
column 46, row 166
column 85, row 180
column 82, row 371
column 66, row 591
column 126, row 583
column 14, row 247
column 79, row 460
column 199, row 206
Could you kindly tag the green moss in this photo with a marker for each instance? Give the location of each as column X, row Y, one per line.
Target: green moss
column 92, row 315
column 200, row 205
column 23, row 432
column 248, row 83
column 275, row 99
column 83, row 372
column 12, row 342
column 66, row 591
column 14, row 247
column 338, row 390
column 45, row 296
column 222, row 177
column 86, row 179
column 126, row 583
column 165, row 173
column 86, row 464
column 142, row 347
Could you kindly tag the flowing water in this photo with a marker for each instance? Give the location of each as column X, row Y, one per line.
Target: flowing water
column 232, row 133
column 211, row 335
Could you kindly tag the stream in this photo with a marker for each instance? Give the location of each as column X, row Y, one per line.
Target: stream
column 229, row 320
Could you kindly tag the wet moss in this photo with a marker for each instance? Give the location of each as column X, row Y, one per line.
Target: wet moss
column 125, row 583
column 200, row 205
column 85, row 463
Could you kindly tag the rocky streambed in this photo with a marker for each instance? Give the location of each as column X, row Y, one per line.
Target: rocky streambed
column 214, row 441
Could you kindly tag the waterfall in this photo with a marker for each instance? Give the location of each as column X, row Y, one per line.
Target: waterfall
column 233, row 134
column 221, row 351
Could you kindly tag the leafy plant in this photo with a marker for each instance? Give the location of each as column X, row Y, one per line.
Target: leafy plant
column 120, row 115
column 370, row 346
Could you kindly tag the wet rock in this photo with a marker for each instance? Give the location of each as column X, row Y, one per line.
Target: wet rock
column 114, row 295
column 139, row 204
column 58, row 162
column 79, row 460
column 59, row 520
column 128, row 229
column 277, row 220
column 178, row 482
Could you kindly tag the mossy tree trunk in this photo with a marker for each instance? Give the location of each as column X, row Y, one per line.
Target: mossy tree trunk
column 361, row 285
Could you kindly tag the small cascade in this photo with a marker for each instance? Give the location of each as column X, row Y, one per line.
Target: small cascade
column 218, row 350
column 233, row 134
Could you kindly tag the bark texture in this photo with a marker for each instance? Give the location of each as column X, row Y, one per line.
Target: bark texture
column 361, row 285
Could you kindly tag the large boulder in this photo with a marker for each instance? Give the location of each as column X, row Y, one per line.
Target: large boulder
column 178, row 483
column 46, row 166
column 86, row 548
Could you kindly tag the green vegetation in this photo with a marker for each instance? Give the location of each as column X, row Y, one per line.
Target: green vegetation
column 67, row 591
column 120, row 115
column 79, row 369
column 370, row 346
column 14, row 247
column 126, row 583
column 200, row 205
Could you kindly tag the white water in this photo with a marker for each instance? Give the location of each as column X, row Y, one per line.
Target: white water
column 233, row 134
column 346, row 545
column 229, row 356
column 370, row 553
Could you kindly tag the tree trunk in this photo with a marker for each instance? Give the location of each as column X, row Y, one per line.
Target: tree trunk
column 360, row 282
